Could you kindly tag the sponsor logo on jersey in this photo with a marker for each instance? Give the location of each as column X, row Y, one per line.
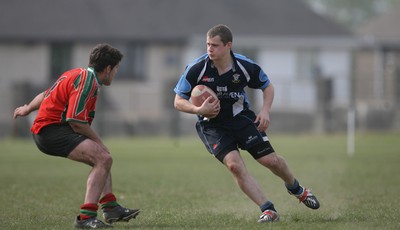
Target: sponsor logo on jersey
column 235, row 95
column 222, row 88
column 207, row 79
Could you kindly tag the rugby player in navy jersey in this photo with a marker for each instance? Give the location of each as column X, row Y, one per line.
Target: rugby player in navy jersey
column 228, row 124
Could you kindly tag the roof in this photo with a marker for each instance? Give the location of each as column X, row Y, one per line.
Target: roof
column 156, row 19
column 384, row 29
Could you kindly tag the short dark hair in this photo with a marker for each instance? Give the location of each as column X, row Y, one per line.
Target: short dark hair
column 104, row 55
column 223, row 31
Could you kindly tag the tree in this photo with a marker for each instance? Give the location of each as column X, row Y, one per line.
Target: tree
column 351, row 13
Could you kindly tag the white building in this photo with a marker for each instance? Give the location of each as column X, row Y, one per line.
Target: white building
column 295, row 46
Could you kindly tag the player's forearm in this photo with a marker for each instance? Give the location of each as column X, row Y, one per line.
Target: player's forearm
column 36, row 102
column 184, row 105
column 268, row 97
column 28, row 108
column 85, row 130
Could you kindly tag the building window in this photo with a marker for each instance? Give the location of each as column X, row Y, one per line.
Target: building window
column 60, row 59
column 307, row 64
column 133, row 64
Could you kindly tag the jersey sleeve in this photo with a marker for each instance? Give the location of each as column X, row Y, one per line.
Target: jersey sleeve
column 82, row 99
column 190, row 76
column 259, row 79
column 186, row 83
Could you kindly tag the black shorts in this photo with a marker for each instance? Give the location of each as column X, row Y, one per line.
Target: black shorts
column 222, row 137
column 58, row 139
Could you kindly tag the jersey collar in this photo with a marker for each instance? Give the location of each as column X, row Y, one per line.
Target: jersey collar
column 90, row 69
column 234, row 61
column 233, row 64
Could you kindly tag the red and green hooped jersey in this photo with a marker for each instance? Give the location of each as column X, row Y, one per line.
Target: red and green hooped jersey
column 71, row 98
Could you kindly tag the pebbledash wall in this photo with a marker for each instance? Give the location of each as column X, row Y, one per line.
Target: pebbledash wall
column 146, row 107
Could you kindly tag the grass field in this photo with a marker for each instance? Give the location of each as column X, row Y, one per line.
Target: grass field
column 179, row 186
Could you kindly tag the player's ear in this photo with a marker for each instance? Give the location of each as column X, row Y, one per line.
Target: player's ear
column 108, row 69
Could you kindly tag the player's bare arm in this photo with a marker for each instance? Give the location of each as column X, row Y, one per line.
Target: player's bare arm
column 263, row 117
column 85, row 130
column 28, row 108
column 207, row 109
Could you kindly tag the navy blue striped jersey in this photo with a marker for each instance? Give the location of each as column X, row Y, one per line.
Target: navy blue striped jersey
column 229, row 87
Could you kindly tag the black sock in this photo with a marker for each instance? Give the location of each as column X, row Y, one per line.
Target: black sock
column 267, row 206
column 294, row 188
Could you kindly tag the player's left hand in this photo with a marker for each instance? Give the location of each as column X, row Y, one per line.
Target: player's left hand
column 21, row 111
column 263, row 121
column 210, row 109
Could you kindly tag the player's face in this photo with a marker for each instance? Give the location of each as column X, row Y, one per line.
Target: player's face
column 216, row 49
column 110, row 74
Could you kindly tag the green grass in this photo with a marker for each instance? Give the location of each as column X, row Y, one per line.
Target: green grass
column 178, row 185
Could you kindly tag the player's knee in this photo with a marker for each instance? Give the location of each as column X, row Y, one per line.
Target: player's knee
column 235, row 168
column 108, row 160
column 105, row 160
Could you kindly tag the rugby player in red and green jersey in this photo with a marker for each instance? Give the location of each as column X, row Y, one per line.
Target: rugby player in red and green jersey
column 62, row 128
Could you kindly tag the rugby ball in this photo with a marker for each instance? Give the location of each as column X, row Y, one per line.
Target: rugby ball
column 200, row 93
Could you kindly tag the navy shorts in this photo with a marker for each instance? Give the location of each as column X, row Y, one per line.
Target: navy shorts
column 58, row 139
column 222, row 137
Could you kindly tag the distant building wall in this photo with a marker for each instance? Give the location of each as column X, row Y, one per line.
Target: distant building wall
column 21, row 65
column 135, row 107
column 377, row 74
